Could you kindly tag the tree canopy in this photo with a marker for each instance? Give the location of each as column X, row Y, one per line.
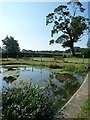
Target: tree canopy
column 68, row 24
column 11, row 46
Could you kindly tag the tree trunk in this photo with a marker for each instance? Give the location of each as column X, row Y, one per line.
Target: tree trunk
column 72, row 50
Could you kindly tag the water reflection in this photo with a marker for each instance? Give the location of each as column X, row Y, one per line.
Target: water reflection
column 40, row 76
column 60, row 86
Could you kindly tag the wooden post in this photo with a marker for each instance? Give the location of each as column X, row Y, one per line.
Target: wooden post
column 17, row 57
column 32, row 69
column 7, row 57
column 83, row 58
column 32, row 57
column 24, row 56
column 41, row 58
column 41, row 70
column 52, row 58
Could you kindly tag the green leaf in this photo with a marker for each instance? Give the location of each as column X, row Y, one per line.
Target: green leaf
column 51, row 42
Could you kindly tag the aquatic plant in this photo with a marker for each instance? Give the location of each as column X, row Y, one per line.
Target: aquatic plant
column 26, row 102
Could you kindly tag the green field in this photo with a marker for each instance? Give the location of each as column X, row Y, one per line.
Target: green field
column 40, row 59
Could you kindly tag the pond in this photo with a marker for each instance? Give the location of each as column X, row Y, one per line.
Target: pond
column 61, row 86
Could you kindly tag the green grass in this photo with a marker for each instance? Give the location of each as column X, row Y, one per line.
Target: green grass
column 70, row 65
column 44, row 60
column 85, row 110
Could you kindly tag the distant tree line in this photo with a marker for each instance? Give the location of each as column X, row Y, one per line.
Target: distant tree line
column 41, row 51
column 11, row 49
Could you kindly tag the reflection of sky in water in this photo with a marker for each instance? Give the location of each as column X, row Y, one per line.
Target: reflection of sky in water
column 33, row 73
column 79, row 78
column 36, row 74
column 43, row 77
column 0, row 81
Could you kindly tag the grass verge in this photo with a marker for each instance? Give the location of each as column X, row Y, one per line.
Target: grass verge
column 85, row 110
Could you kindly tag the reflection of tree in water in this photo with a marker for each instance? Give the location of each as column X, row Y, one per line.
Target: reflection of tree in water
column 10, row 79
column 11, row 75
column 51, row 76
column 24, row 68
column 32, row 69
column 41, row 70
column 62, row 94
column 70, row 83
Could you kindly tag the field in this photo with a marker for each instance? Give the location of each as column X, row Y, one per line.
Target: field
column 37, row 60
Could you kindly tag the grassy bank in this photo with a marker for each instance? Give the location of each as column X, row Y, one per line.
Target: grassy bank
column 70, row 65
column 85, row 110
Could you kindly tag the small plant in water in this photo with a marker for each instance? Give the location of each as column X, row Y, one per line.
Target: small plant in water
column 26, row 102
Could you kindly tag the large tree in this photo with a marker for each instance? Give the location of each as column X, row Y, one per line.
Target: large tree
column 68, row 21
column 11, row 46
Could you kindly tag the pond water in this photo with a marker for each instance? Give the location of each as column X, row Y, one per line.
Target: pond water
column 63, row 86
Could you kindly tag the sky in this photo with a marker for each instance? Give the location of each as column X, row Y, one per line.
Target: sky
column 26, row 22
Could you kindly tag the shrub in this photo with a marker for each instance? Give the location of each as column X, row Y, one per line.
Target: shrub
column 54, row 66
column 82, row 69
column 26, row 102
column 76, row 69
column 70, row 68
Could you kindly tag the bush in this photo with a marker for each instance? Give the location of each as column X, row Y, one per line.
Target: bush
column 82, row 69
column 70, row 68
column 76, row 69
column 26, row 102
column 78, row 55
column 54, row 66
column 86, row 52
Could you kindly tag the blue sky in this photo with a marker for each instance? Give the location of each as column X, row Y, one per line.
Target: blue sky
column 26, row 22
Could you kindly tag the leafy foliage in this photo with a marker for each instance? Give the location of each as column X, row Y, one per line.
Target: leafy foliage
column 54, row 66
column 26, row 102
column 75, row 69
column 69, row 25
column 86, row 52
column 11, row 46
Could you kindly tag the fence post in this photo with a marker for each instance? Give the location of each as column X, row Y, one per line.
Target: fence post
column 32, row 57
column 17, row 57
column 41, row 58
column 83, row 58
column 7, row 57
column 32, row 69
column 52, row 58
